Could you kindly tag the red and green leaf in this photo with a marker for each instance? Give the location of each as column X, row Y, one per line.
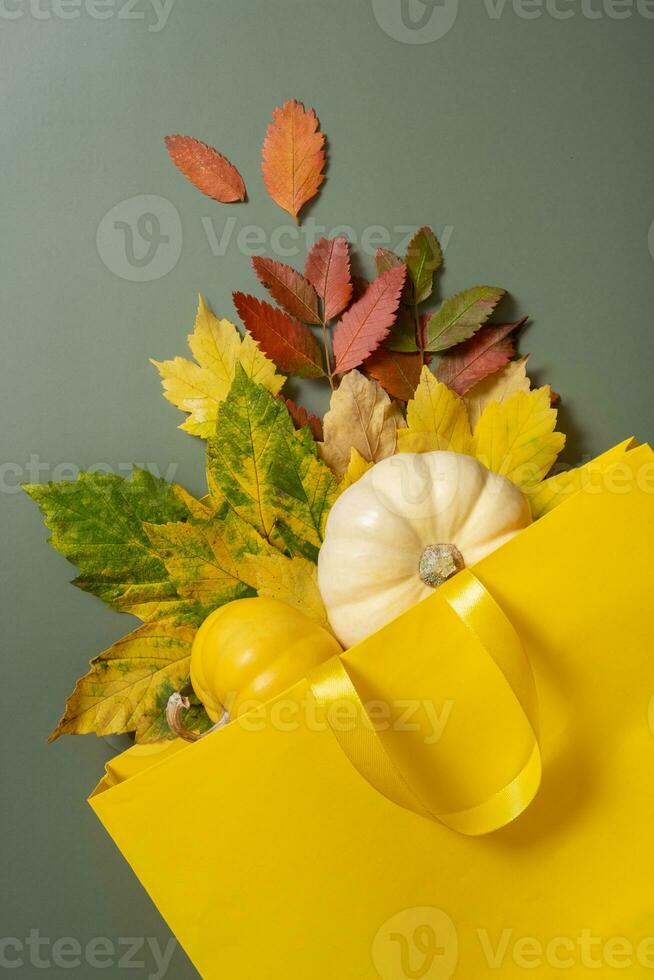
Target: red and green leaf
column 328, row 270
column 208, row 170
column 289, row 288
column 293, row 156
column 368, row 321
column 461, row 316
column 485, row 353
column 289, row 343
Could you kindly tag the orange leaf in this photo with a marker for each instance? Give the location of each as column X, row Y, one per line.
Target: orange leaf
column 302, row 417
column 367, row 322
column 328, row 269
column 293, row 156
column 207, row 169
column 398, row 374
column 289, row 288
column 284, row 339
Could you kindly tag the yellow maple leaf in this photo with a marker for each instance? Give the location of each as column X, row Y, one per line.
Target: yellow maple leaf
column 497, row 387
column 517, row 439
column 292, row 580
column 436, row 419
column 355, row 470
column 126, row 685
column 361, row 416
column 199, row 388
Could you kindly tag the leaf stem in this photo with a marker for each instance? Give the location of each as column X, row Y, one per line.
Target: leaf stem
column 420, row 341
column 328, row 359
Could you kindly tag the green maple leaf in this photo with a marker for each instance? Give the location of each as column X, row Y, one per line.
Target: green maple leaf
column 206, row 561
column 266, row 472
column 98, row 521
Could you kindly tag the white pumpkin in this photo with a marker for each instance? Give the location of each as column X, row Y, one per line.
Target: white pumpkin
column 412, row 521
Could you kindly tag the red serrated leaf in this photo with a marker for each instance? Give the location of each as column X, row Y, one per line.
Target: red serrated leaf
column 289, row 288
column 473, row 360
column 302, row 417
column 398, row 374
column 367, row 322
column 328, row 269
column 206, row 169
column 288, row 342
column 293, row 156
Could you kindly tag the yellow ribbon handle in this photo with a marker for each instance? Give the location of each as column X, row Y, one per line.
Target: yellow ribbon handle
column 484, row 768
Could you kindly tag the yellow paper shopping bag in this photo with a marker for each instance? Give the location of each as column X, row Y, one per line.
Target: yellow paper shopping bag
column 296, row 866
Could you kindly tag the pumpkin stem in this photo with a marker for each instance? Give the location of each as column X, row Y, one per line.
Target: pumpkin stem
column 439, row 562
column 176, row 704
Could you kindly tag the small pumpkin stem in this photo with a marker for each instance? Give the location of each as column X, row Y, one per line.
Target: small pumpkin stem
column 439, row 562
column 179, row 702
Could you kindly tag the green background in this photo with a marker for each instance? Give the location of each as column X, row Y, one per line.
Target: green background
column 527, row 143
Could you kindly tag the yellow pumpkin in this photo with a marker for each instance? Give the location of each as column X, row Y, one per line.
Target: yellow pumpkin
column 251, row 650
column 410, row 523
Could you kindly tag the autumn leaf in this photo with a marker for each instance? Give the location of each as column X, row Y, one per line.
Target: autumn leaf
column 461, row 316
column 402, row 335
column 364, row 326
column 266, row 471
column 289, row 343
column 385, row 259
column 206, row 169
column 484, row 354
column 289, row 288
column 497, row 387
column 436, row 419
column 360, row 416
column 128, row 686
column 398, row 374
column 305, row 491
column 205, row 561
column 355, row 470
column 291, row 580
column 517, row 438
column 199, row 388
column 302, row 417
column 328, row 269
column 98, row 523
column 293, row 157
column 423, row 257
